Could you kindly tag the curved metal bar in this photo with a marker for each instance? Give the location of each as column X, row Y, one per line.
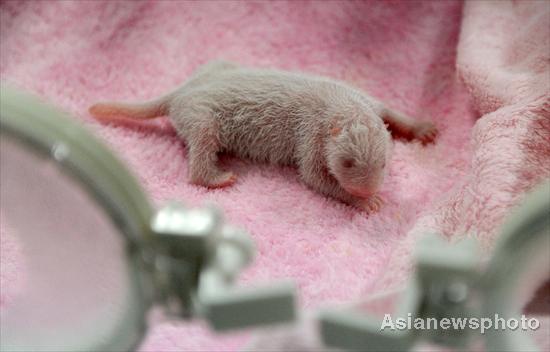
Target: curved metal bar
column 49, row 132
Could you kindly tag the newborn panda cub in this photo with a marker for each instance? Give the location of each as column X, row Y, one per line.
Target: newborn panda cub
column 333, row 133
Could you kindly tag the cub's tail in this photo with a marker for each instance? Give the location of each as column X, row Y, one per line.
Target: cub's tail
column 113, row 110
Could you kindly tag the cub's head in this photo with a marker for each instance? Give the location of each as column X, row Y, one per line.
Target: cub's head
column 357, row 151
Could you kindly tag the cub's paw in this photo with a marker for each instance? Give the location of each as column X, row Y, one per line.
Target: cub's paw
column 224, row 180
column 425, row 132
column 371, row 204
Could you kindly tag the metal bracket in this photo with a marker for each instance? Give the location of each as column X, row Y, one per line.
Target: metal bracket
column 441, row 288
column 197, row 260
column 449, row 284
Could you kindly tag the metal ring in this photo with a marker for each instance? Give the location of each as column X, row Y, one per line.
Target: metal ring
column 49, row 132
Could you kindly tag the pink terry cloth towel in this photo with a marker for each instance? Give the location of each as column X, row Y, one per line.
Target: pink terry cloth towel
column 406, row 53
column 503, row 60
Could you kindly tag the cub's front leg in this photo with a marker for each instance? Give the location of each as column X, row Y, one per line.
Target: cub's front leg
column 402, row 126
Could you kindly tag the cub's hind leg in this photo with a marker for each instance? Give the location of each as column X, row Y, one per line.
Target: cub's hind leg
column 203, row 143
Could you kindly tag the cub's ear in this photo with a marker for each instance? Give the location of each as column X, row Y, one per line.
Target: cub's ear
column 334, row 128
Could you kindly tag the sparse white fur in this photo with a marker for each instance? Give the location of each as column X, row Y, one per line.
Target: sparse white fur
column 333, row 133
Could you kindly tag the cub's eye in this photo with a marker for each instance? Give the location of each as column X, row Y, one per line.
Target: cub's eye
column 348, row 163
column 383, row 164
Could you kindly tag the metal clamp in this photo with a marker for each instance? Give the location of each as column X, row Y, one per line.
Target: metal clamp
column 440, row 289
column 197, row 260
column 449, row 284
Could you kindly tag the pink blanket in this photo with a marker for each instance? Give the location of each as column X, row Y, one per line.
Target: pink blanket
column 405, row 53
